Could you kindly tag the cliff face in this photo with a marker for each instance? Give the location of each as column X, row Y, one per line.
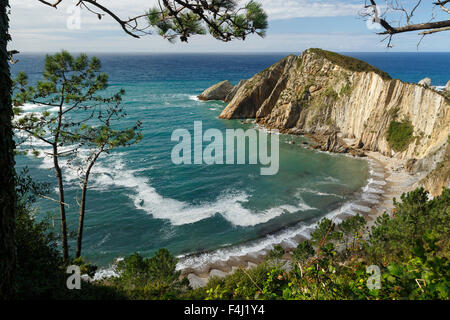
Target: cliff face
column 329, row 95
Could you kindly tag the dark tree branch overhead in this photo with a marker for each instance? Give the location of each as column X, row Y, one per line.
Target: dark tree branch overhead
column 183, row 18
column 402, row 12
column 418, row 27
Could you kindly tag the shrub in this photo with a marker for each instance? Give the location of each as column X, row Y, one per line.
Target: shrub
column 40, row 269
column 410, row 248
column 394, row 238
column 346, row 90
column 329, row 92
column 400, row 135
column 152, row 278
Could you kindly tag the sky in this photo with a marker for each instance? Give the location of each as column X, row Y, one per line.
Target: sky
column 294, row 25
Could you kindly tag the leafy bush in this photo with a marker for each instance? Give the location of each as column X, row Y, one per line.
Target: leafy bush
column 41, row 273
column 240, row 285
column 410, row 248
column 415, row 217
column 400, row 135
column 152, row 278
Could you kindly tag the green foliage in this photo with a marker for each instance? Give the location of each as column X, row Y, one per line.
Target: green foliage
column 346, row 90
column 221, row 18
column 393, row 112
column 423, row 276
column 85, row 267
column 352, row 227
column 242, row 284
column 40, row 269
column 303, row 252
column 325, row 232
column 393, row 238
column 73, row 85
column 39, row 265
column 349, row 63
column 276, row 253
column 410, row 248
column 333, row 95
column 400, row 135
column 152, row 278
column 446, row 94
column 85, row 118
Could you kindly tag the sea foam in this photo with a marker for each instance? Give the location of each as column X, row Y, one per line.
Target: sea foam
column 230, row 205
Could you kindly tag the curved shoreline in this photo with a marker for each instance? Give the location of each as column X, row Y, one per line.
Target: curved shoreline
column 388, row 179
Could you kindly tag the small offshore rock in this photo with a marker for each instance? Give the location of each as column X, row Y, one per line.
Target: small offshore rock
column 219, row 91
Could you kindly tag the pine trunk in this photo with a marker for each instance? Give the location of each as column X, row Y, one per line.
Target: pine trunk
column 81, row 218
column 83, row 204
column 62, row 208
column 7, row 184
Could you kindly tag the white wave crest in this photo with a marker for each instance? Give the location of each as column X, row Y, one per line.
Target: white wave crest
column 229, row 206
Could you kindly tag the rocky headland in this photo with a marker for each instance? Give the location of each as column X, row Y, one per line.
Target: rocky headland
column 346, row 106
column 349, row 106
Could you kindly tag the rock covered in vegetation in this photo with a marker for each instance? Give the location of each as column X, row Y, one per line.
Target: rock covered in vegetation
column 322, row 93
column 218, row 91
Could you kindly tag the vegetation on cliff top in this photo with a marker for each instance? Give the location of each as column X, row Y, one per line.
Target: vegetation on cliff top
column 349, row 63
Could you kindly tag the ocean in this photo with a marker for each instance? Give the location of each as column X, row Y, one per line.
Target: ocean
column 140, row 201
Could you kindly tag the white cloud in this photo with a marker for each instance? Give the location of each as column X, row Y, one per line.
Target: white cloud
column 36, row 27
column 288, row 9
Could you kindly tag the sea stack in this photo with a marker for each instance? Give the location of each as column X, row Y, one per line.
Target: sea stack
column 218, row 91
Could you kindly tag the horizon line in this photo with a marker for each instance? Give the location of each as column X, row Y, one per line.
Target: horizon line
column 222, row 53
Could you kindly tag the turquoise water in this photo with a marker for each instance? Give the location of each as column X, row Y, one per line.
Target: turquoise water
column 140, row 201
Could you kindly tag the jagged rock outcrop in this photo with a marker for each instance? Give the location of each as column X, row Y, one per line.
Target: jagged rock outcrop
column 218, row 91
column 233, row 92
column 345, row 102
column 255, row 91
column 447, row 87
column 425, row 82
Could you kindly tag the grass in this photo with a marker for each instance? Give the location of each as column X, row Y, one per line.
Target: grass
column 346, row 90
column 400, row 135
column 331, row 93
column 350, row 63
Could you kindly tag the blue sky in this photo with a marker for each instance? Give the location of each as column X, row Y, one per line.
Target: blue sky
column 294, row 25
